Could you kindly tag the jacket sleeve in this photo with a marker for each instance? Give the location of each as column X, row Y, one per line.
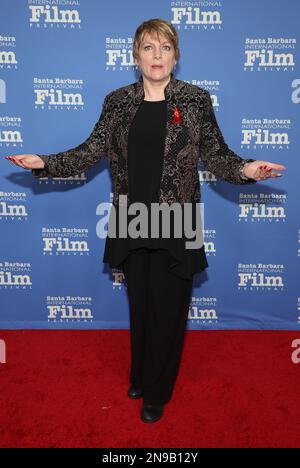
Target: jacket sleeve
column 77, row 160
column 214, row 152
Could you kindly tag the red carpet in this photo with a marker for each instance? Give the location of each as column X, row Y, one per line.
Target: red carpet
column 68, row 388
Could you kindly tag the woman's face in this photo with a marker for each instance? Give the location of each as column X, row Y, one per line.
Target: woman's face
column 156, row 59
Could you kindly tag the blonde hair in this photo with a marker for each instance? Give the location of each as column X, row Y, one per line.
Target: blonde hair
column 158, row 26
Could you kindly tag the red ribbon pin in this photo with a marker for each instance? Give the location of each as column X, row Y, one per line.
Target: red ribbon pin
column 176, row 117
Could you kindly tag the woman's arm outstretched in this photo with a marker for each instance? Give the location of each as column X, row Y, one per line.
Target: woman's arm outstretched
column 222, row 161
column 73, row 161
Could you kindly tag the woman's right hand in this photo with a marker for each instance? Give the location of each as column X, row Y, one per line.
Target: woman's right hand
column 27, row 161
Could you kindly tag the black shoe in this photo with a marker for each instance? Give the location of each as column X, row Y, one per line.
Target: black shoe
column 134, row 392
column 151, row 413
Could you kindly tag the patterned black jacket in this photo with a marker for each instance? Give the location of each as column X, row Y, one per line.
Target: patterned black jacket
column 192, row 134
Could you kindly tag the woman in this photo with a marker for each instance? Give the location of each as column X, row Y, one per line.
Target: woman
column 153, row 132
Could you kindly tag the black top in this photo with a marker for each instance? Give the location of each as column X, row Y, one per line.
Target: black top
column 145, row 159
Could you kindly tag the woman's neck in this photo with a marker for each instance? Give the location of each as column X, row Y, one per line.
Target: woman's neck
column 154, row 91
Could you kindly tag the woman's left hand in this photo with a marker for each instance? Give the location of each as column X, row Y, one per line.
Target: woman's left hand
column 261, row 170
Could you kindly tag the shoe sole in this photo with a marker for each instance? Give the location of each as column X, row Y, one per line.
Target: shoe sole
column 134, row 394
column 135, row 397
column 151, row 420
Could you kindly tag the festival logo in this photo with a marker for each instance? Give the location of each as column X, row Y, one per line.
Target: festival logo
column 64, row 94
column 200, row 16
column 260, row 277
column 15, row 275
column 65, row 241
column 270, row 54
column 119, row 55
column 263, row 207
column 8, row 55
column 69, row 309
column 10, row 132
column 203, row 311
column 54, row 14
column 13, row 206
column 266, row 134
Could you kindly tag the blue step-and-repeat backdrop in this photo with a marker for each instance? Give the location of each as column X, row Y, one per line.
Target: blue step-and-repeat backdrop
column 58, row 60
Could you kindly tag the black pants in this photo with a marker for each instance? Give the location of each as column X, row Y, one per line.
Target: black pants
column 158, row 309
